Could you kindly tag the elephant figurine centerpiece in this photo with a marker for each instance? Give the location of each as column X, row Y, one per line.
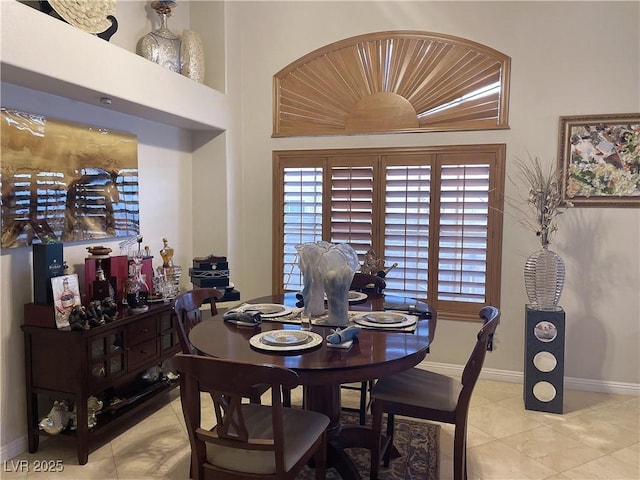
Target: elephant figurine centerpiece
column 327, row 269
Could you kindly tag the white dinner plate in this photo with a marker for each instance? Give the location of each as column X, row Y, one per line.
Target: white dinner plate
column 384, row 320
column 354, row 296
column 286, row 337
column 285, row 340
column 267, row 310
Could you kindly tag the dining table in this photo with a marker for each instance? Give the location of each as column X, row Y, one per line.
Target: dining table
column 321, row 367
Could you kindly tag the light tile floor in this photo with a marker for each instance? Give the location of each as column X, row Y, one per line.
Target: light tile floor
column 596, row 438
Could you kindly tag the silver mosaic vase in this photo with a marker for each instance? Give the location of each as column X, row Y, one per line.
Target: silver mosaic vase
column 162, row 46
column 544, row 273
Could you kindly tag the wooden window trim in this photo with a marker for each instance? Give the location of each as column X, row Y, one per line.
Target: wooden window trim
column 447, row 155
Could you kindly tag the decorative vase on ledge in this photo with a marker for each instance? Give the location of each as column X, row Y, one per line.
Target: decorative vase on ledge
column 162, row 46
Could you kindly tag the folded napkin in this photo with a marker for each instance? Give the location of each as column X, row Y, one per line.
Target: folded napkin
column 344, row 345
column 245, row 318
column 343, row 335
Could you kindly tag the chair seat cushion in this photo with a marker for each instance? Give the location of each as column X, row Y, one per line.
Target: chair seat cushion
column 301, row 429
column 419, row 387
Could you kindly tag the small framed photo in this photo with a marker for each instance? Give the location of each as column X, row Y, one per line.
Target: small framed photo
column 600, row 160
column 66, row 295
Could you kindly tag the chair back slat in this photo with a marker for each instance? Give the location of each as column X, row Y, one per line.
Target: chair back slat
column 491, row 317
column 188, row 314
column 363, row 280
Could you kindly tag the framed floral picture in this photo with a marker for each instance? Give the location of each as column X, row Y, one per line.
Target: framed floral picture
column 600, row 160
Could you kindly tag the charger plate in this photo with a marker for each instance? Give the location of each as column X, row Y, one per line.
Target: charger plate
column 285, row 340
column 267, row 310
column 384, row 320
column 356, row 296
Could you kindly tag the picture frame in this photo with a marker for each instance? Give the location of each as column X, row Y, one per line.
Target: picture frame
column 599, row 160
column 66, row 295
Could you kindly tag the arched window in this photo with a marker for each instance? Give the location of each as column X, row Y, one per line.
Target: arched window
column 434, row 211
column 392, row 82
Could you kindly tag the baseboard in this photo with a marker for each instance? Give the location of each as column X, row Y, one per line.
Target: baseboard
column 13, row 449
column 570, row 383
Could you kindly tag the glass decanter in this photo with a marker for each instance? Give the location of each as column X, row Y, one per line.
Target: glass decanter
column 137, row 288
column 167, row 254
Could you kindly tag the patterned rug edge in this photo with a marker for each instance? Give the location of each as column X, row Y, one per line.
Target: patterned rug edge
column 419, row 447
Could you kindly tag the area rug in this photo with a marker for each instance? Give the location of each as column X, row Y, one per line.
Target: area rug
column 417, row 443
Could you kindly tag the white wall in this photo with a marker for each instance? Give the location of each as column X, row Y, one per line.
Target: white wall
column 568, row 58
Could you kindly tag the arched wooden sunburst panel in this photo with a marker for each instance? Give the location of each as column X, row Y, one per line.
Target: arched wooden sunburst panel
column 398, row 81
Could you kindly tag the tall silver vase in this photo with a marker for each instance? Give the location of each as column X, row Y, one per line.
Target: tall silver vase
column 162, row 46
column 544, row 273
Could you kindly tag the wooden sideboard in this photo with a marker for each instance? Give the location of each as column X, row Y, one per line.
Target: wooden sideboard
column 107, row 362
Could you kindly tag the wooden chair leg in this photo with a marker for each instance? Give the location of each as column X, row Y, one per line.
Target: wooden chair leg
column 390, row 425
column 363, row 402
column 376, row 413
column 459, row 453
column 320, row 458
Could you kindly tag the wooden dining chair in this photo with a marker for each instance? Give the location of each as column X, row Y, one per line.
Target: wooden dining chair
column 247, row 440
column 363, row 282
column 427, row 395
column 188, row 308
column 189, row 313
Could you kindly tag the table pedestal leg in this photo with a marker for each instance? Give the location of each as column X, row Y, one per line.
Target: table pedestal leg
column 326, row 399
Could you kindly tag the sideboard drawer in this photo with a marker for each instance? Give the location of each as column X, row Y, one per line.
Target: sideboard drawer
column 141, row 353
column 142, row 330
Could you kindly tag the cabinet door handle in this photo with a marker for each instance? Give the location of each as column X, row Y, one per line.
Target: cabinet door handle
column 145, row 330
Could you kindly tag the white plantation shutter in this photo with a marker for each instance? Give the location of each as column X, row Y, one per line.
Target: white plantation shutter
column 406, row 229
column 462, row 245
column 436, row 212
column 352, row 206
column 302, row 216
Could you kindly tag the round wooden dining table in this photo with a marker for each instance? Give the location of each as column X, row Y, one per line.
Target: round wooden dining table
column 376, row 353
